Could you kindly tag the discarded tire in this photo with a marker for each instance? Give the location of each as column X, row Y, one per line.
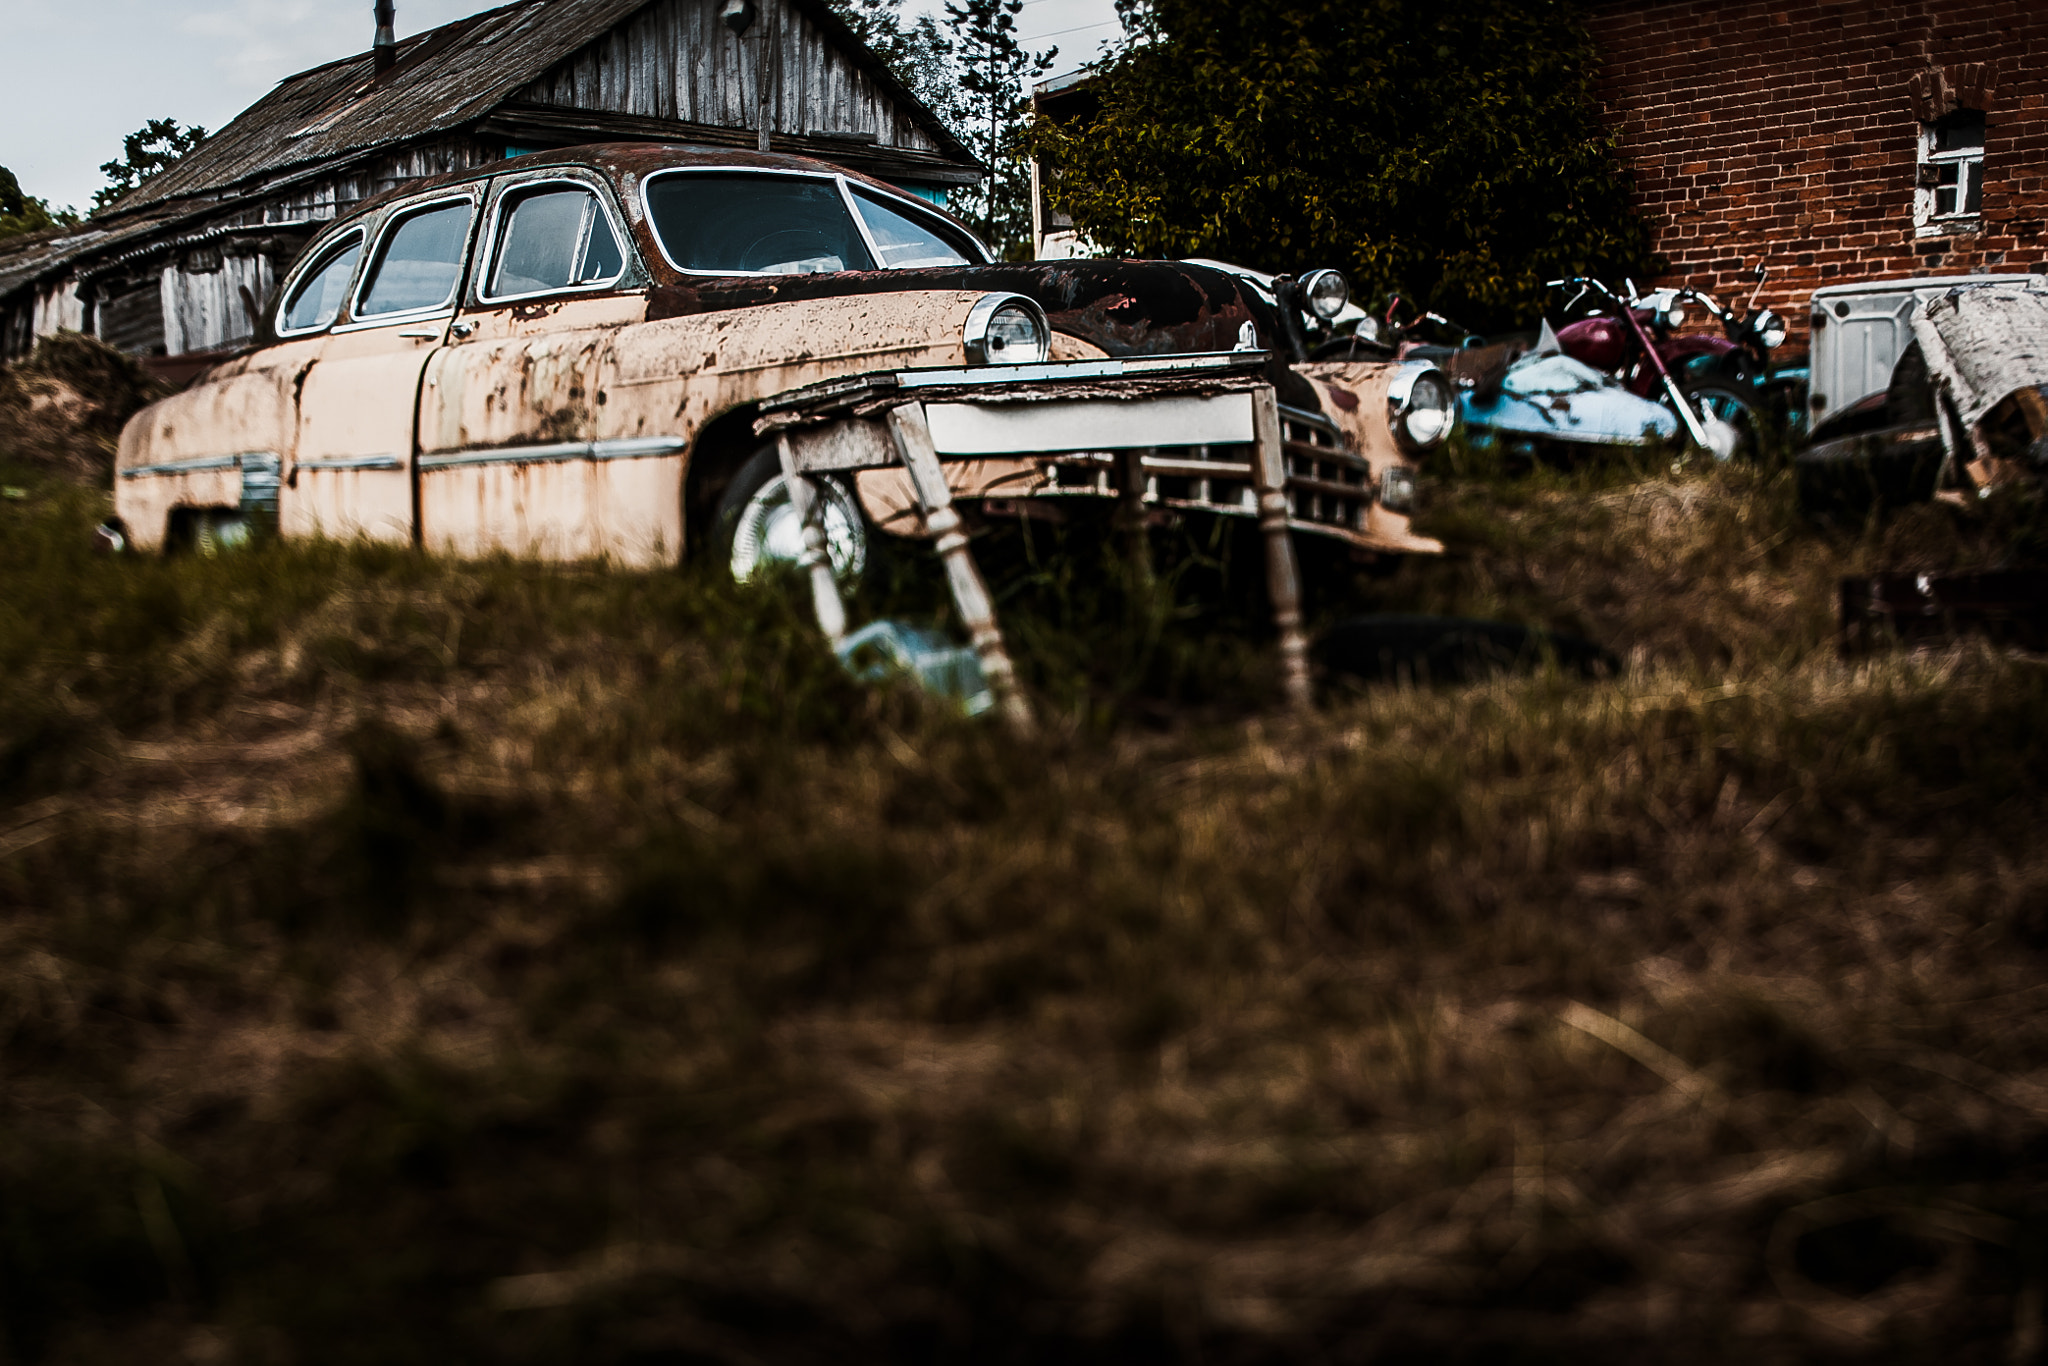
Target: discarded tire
column 1426, row 649
column 1852, row 476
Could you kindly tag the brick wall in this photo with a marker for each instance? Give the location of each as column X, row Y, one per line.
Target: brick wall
column 1788, row 131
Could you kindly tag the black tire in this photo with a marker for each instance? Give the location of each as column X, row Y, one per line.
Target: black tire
column 1738, row 408
column 755, row 521
column 1846, row 479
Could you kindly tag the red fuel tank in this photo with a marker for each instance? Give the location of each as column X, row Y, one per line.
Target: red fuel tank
column 1602, row 343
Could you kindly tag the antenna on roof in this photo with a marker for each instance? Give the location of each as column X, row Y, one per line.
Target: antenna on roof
column 386, row 46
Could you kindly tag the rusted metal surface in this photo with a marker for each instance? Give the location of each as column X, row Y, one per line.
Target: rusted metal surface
column 626, row 510
column 2007, row 606
column 1127, row 308
column 564, row 426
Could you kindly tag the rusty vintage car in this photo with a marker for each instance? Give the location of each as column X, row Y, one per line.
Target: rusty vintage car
column 640, row 352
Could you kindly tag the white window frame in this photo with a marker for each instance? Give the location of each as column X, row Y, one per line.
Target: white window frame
column 320, row 257
column 1969, row 164
column 395, row 219
column 509, row 199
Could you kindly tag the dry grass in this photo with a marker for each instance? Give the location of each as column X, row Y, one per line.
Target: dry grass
column 419, row 961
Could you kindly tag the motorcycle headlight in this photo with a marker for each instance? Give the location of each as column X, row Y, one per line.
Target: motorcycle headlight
column 1006, row 329
column 1674, row 316
column 1421, row 406
column 1770, row 330
column 1325, row 293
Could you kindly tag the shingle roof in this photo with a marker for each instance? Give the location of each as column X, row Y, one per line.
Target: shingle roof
column 444, row 78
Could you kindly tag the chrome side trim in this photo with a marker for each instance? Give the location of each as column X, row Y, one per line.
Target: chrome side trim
column 251, row 459
column 352, row 462
column 628, row 448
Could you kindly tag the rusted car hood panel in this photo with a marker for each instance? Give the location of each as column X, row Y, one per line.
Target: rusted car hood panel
column 1128, row 308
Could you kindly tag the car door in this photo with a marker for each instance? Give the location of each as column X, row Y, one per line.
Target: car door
column 510, row 457
column 353, row 464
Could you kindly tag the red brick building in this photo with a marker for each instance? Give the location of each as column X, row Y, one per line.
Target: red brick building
column 1837, row 141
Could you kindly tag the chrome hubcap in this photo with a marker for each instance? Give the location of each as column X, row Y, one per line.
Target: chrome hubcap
column 768, row 530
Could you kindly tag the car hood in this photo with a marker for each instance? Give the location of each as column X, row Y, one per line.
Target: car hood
column 1128, row 308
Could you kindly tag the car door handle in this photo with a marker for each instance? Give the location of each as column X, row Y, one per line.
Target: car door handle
column 462, row 329
column 423, row 333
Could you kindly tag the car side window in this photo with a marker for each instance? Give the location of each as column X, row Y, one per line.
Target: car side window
column 555, row 237
column 316, row 302
column 903, row 242
column 420, row 263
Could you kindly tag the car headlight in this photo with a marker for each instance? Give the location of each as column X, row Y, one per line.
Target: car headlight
column 1006, row 329
column 1420, row 406
column 1770, row 330
column 1325, row 293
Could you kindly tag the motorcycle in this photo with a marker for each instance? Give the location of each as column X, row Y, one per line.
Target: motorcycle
column 1727, row 384
column 1525, row 394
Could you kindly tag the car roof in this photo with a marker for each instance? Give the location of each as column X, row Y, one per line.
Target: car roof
column 618, row 160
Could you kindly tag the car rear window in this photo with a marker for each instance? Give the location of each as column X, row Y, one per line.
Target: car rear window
column 755, row 224
column 420, row 263
column 317, row 300
column 556, row 238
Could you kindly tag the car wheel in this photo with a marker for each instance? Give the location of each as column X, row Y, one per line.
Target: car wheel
column 757, row 522
column 1733, row 425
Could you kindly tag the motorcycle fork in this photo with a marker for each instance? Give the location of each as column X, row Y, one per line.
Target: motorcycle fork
column 1686, row 416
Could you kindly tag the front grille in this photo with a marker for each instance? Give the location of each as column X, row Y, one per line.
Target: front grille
column 1326, row 487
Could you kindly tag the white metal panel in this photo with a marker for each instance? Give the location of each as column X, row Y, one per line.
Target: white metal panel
column 1868, row 325
column 1089, row 424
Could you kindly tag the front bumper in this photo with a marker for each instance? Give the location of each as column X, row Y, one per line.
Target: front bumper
column 1172, row 431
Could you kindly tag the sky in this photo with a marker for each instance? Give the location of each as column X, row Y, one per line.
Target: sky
column 83, row 74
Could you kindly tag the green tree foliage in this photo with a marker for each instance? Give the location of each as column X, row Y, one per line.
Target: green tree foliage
column 21, row 213
column 150, row 149
column 1450, row 152
column 994, row 68
column 918, row 52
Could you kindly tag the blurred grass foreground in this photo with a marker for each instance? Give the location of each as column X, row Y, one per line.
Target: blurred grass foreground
column 406, row 960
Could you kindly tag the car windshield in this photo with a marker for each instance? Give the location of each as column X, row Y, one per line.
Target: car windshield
column 755, row 224
column 748, row 223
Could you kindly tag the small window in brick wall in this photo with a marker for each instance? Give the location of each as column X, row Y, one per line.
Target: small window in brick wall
column 1950, row 193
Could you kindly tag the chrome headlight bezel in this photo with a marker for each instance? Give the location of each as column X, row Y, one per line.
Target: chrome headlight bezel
column 1402, row 407
column 1770, row 330
column 975, row 331
column 1324, row 293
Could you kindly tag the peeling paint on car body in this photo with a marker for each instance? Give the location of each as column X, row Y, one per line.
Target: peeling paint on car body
column 566, row 426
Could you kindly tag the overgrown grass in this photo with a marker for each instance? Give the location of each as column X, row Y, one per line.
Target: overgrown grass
column 413, row 960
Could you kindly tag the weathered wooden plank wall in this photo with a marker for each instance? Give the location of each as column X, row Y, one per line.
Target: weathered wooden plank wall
column 211, row 299
column 677, row 60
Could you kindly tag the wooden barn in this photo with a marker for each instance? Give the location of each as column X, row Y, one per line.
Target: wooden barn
column 181, row 267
